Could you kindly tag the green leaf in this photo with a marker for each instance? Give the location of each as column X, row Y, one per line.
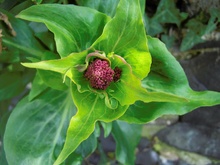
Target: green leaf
column 11, row 84
column 74, row 30
column 88, row 146
column 23, row 39
column 36, row 130
column 10, row 57
column 74, row 159
column 107, row 7
column 194, row 35
column 128, row 89
column 168, row 40
column 37, row 1
column 4, row 115
column 125, row 36
column 52, row 79
column 91, row 108
column 215, row 13
column 3, row 160
column 48, row 39
column 38, row 86
column 107, row 128
column 19, row 6
column 167, row 77
column 142, row 5
column 127, row 136
column 168, row 13
column 154, row 27
column 59, row 65
column 8, row 5
column 190, row 40
column 215, row 18
column 193, row 25
column 66, row 66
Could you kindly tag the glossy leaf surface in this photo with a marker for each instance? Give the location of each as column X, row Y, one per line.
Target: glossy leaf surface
column 126, row 91
column 92, row 105
column 26, row 44
column 168, row 77
column 38, row 86
column 125, row 36
column 91, row 108
column 107, row 7
column 52, row 79
column 36, row 129
column 66, row 66
column 129, row 89
column 66, row 22
column 79, row 31
column 125, row 143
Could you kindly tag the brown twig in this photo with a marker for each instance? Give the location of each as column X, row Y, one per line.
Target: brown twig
column 4, row 18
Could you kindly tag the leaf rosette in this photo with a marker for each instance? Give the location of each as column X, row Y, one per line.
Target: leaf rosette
column 105, row 72
column 107, row 60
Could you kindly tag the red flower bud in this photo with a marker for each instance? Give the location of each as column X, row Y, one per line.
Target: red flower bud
column 117, row 74
column 99, row 74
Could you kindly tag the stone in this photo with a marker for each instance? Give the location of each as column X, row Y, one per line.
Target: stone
column 147, row 157
column 107, row 143
column 203, row 71
column 172, row 155
column 151, row 128
column 194, row 138
column 208, row 116
column 168, row 162
column 144, row 144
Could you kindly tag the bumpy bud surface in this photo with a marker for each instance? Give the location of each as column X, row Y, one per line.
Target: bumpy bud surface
column 99, row 74
column 117, row 74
